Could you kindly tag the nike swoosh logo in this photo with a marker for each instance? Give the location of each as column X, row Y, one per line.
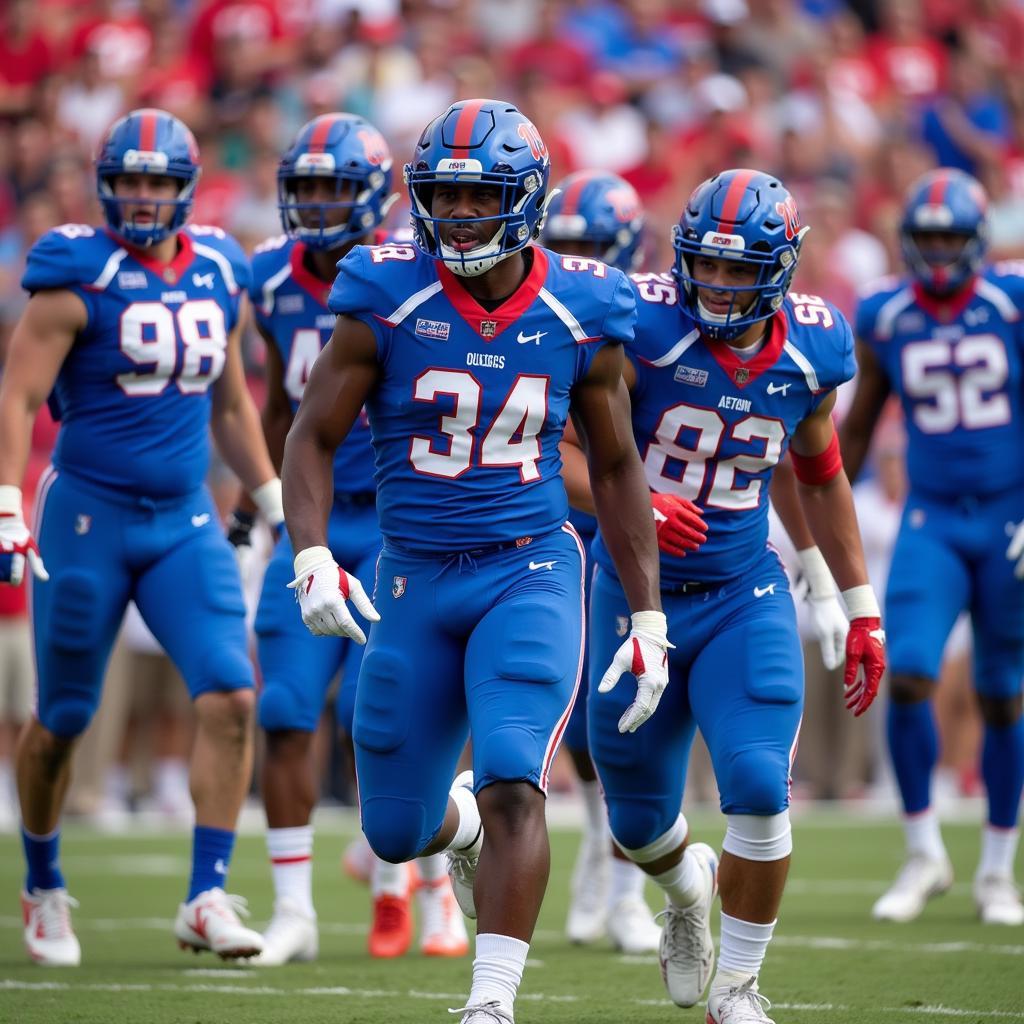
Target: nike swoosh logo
column 201, row 520
column 774, row 389
column 525, row 339
column 542, row 565
column 761, row 591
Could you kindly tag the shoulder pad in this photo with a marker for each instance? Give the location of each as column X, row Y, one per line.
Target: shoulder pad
column 72, row 254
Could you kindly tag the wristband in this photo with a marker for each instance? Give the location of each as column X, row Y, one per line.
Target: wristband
column 10, row 500
column 816, row 470
column 310, row 558
column 270, row 501
column 861, row 603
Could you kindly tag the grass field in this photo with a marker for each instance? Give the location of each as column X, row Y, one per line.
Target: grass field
column 829, row 962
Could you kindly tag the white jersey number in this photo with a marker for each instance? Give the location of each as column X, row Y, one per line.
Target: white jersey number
column 510, row 440
column 149, row 337
column 707, row 429
column 943, row 400
column 303, row 354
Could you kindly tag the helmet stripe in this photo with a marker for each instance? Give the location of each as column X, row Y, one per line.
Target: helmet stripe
column 573, row 193
column 320, row 133
column 937, row 189
column 464, row 128
column 733, row 197
column 147, row 131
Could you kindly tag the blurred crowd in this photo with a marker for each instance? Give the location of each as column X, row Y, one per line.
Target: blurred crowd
column 846, row 102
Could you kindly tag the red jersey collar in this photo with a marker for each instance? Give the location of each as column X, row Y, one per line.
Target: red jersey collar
column 305, row 278
column 169, row 273
column 945, row 308
column 741, row 372
column 490, row 323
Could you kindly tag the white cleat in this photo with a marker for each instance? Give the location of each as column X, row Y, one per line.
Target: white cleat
column 998, row 900
column 442, row 929
column 462, row 863
column 742, row 1004
column 484, row 1013
column 632, row 928
column 49, row 938
column 588, row 904
column 687, row 950
column 211, row 921
column 357, row 861
column 291, row 935
column 920, row 879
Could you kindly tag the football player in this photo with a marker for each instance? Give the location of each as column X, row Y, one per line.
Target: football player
column 334, row 191
column 468, row 350
column 947, row 340
column 132, row 330
column 726, row 372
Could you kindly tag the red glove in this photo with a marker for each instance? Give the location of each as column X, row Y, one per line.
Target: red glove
column 865, row 663
column 678, row 523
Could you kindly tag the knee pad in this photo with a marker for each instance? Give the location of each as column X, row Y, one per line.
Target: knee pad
column 758, row 838
column 756, row 782
column 393, row 827
column 69, row 714
column 75, row 611
column 224, row 667
column 280, row 709
column 508, row 754
column 638, row 823
column 669, row 840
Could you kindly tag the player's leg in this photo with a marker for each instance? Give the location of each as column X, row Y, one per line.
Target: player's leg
column 928, row 587
column 997, row 610
column 191, row 599
column 644, row 776
column 297, row 669
column 75, row 617
column 523, row 665
column 746, row 687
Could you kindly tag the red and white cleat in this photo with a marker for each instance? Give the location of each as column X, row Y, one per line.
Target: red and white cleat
column 211, row 921
column 442, row 929
column 49, row 938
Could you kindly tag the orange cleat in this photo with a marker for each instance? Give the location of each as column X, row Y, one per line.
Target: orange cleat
column 391, row 933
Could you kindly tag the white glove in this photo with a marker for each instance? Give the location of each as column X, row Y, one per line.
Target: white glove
column 321, row 588
column 828, row 617
column 645, row 654
column 16, row 543
column 1015, row 552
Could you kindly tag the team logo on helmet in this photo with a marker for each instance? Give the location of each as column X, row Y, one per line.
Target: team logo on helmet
column 790, row 217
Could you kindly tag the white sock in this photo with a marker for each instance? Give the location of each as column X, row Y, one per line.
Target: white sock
column 498, row 970
column 595, row 814
column 998, row 851
column 432, row 868
column 388, row 879
column 469, row 834
column 291, row 861
column 627, row 881
column 923, row 835
column 743, row 946
column 683, row 883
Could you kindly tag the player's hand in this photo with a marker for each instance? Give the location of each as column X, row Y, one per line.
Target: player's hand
column 828, row 619
column 865, row 649
column 645, row 654
column 1015, row 552
column 678, row 523
column 239, row 532
column 17, row 545
column 321, row 588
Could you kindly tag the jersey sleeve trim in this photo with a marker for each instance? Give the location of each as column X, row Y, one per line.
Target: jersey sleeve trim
column 885, row 318
column 675, row 351
column 410, row 304
column 223, row 265
column 804, row 365
column 575, row 328
column 110, row 268
column 268, row 292
column 1004, row 304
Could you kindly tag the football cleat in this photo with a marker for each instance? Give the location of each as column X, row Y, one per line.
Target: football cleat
column 920, row 879
column 687, row 951
column 357, row 860
column 49, row 939
column 212, row 921
column 391, row 931
column 741, row 1004
column 291, row 935
column 588, row 905
column 442, row 930
column 484, row 1013
column 998, row 900
column 462, row 863
column 632, row 928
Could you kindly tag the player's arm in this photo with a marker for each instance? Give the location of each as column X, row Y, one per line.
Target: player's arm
column 235, row 425
column 39, row 345
column 341, row 380
column 575, row 472
column 868, row 399
column 827, row 501
column 601, row 412
column 815, row 581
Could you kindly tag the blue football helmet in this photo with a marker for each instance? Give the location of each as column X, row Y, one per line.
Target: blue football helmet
column 742, row 215
column 348, row 150
column 945, row 200
column 600, row 208
column 147, row 141
column 487, row 141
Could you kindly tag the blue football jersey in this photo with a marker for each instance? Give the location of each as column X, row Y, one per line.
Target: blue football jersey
column 957, row 370
column 291, row 307
column 711, row 427
column 471, row 403
column 133, row 394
